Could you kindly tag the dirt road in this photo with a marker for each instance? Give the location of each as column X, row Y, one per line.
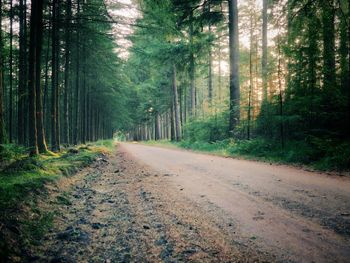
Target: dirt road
column 150, row 204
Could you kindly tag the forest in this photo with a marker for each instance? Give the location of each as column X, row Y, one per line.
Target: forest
column 255, row 80
column 262, row 78
column 269, row 78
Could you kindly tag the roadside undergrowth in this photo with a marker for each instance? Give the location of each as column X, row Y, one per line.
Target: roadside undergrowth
column 331, row 159
column 23, row 179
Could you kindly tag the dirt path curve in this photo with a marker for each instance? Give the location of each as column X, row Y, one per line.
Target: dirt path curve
column 149, row 204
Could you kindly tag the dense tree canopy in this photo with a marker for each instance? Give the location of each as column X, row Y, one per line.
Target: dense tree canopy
column 65, row 84
column 196, row 70
column 286, row 80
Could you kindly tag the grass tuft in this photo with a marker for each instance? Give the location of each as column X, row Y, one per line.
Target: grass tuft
column 22, row 181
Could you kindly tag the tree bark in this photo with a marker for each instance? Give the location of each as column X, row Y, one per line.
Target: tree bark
column 192, row 71
column 219, row 68
column 157, row 131
column 2, row 127
column 10, row 116
column 329, row 77
column 344, row 57
column 22, row 74
column 172, row 122
column 348, row 82
column 54, row 79
column 46, row 109
column 210, row 74
column 177, row 107
column 250, row 76
column 279, row 74
column 39, row 103
column 264, row 49
column 34, row 65
column 234, row 65
column 77, row 76
column 67, row 71
column 83, row 100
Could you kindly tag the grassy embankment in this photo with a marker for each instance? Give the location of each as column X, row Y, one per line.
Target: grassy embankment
column 23, row 179
column 323, row 158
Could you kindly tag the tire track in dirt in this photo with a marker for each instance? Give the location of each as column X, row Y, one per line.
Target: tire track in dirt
column 120, row 211
column 294, row 215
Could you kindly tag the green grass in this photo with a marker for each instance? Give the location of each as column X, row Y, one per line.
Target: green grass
column 28, row 174
column 318, row 155
column 23, row 174
column 22, row 181
column 64, row 199
column 107, row 144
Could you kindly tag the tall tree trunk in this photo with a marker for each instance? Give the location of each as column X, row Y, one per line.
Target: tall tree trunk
column 10, row 116
column 91, row 116
column 34, row 64
column 279, row 75
column 329, row 78
column 54, row 79
column 343, row 51
column 234, row 65
column 250, row 76
column 192, row 71
column 312, row 66
column 21, row 74
column 83, row 100
column 210, row 75
column 46, row 109
column 344, row 56
column 219, row 69
column 176, row 107
column 348, row 83
column 264, row 49
column 172, row 121
column 157, row 131
column 67, row 71
column 38, row 100
column 87, row 117
column 330, row 95
column 77, row 76
column 25, row 106
column 2, row 126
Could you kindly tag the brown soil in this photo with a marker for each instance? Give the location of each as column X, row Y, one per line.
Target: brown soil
column 149, row 204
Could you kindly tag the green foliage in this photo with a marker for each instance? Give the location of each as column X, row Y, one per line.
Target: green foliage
column 27, row 164
column 316, row 153
column 293, row 152
column 216, row 147
column 29, row 174
column 22, row 181
column 208, row 130
column 10, row 152
column 64, row 199
column 161, row 40
column 109, row 144
column 33, row 229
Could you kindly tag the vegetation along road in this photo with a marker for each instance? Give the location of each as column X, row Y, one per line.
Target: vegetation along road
column 267, row 80
column 152, row 204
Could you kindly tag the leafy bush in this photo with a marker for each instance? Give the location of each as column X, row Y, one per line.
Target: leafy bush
column 204, row 146
column 108, row 144
column 336, row 157
column 257, row 147
column 319, row 153
column 213, row 129
column 10, row 152
column 26, row 164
